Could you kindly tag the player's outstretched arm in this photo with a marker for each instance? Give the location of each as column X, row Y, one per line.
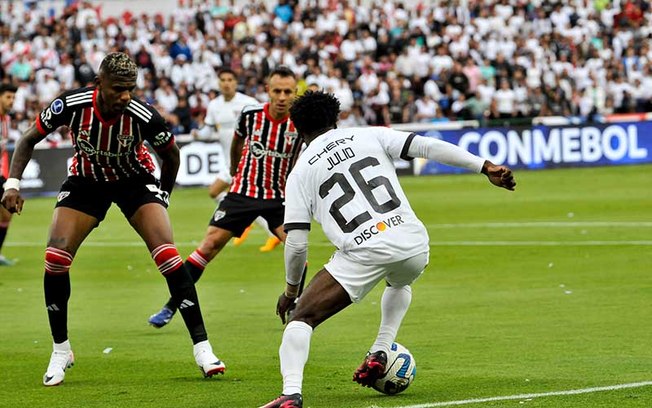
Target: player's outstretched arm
column 500, row 176
column 453, row 155
column 12, row 199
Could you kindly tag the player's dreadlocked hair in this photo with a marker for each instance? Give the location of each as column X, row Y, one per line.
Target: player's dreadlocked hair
column 118, row 64
column 314, row 111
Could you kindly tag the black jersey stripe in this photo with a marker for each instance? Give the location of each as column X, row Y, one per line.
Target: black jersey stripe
column 277, row 164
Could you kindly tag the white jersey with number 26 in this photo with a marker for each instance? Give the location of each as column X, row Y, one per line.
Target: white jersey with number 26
column 346, row 180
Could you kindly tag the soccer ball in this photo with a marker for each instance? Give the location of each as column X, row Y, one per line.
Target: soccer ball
column 400, row 372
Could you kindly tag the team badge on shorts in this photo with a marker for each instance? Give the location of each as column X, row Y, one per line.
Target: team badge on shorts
column 62, row 195
column 219, row 214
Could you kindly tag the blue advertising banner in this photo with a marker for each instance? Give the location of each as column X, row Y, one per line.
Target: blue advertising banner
column 541, row 147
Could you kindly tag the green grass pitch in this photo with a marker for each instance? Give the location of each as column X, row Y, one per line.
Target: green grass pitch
column 545, row 289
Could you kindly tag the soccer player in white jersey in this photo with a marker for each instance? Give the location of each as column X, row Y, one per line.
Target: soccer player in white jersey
column 220, row 123
column 346, row 181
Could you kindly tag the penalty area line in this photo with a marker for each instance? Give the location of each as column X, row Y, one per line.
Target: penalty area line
column 528, row 396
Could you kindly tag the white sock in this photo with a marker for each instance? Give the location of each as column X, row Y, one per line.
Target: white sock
column 293, row 352
column 65, row 346
column 393, row 306
column 201, row 346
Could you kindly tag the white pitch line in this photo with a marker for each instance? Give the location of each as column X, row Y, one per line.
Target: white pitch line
column 547, row 224
column 126, row 244
column 541, row 243
column 527, row 396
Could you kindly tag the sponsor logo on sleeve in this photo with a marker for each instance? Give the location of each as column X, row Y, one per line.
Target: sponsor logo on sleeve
column 162, row 138
column 57, row 106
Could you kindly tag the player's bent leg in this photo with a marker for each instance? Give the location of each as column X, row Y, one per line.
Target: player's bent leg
column 56, row 284
column 395, row 302
column 394, row 305
column 274, row 240
column 153, row 225
column 68, row 230
column 215, row 239
column 323, row 298
column 184, row 294
column 243, row 237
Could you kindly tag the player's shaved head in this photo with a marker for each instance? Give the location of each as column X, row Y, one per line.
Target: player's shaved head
column 119, row 65
column 315, row 112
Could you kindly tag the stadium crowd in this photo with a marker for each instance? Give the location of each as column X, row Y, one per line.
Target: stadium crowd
column 386, row 62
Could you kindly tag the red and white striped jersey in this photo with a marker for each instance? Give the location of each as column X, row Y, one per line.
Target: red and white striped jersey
column 106, row 150
column 269, row 152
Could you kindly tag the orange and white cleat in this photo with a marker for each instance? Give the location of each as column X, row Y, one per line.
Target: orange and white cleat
column 272, row 242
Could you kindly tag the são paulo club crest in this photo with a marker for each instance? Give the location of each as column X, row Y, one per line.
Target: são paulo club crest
column 290, row 137
column 125, row 140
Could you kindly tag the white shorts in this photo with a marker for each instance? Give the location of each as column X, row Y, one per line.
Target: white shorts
column 358, row 279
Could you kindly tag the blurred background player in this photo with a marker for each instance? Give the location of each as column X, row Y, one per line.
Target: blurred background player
column 219, row 125
column 7, row 95
column 110, row 165
column 264, row 151
column 378, row 236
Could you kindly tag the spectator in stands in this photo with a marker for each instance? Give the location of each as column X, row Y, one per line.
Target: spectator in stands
column 505, row 99
column 589, row 41
column 426, row 109
column 84, row 72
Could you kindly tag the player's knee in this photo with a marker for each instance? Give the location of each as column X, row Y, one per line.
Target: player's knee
column 57, row 261
column 307, row 315
column 167, row 258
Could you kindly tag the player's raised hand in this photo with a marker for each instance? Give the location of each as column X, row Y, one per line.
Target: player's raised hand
column 500, row 176
column 12, row 201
